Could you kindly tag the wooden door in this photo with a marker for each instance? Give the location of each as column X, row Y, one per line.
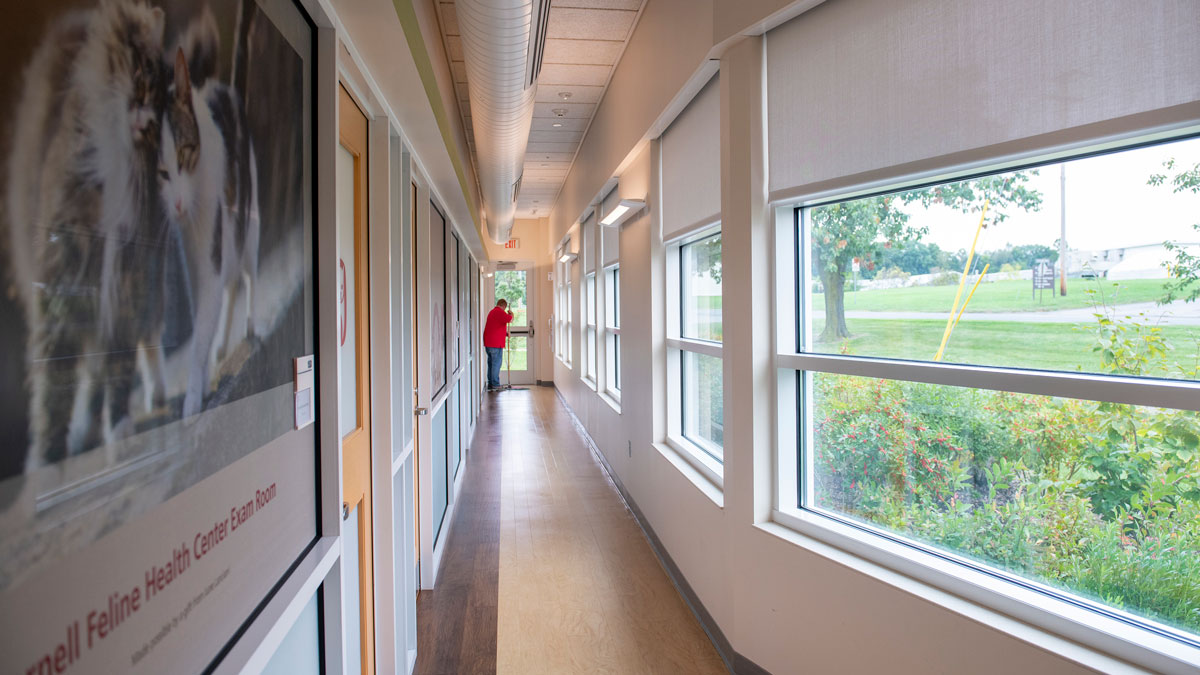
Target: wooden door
column 355, row 355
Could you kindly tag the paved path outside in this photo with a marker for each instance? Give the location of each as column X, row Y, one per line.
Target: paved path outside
column 1174, row 314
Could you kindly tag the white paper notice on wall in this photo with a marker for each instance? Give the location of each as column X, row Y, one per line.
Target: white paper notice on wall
column 303, row 390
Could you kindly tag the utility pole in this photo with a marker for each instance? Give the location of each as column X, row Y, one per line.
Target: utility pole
column 1062, row 238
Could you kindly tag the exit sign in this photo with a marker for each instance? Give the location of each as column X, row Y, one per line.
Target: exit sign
column 513, row 243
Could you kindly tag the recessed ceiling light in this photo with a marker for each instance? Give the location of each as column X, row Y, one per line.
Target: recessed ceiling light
column 564, row 95
column 559, row 112
column 556, row 124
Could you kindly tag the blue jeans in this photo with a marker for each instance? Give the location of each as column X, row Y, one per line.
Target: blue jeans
column 495, row 356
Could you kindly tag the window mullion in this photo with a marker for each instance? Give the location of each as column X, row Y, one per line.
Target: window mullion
column 1179, row 395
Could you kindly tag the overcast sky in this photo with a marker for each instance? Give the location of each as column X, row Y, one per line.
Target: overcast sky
column 1109, row 205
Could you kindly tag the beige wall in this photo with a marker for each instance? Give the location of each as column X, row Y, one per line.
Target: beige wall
column 787, row 603
column 636, row 99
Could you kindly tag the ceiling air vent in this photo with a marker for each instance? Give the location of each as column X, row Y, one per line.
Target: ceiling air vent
column 539, row 18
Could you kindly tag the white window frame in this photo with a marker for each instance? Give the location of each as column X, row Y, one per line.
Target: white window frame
column 611, row 328
column 589, row 346
column 1106, row 629
column 560, row 336
column 568, row 319
column 700, row 459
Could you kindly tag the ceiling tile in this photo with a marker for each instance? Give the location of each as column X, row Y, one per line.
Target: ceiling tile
column 555, row 136
column 559, row 73
column 537, row 165
column 599, row 4
column 454, row 47
column 449, row 18
column 564, row 124
column 549, row 93
column 581, row 111
column 595, row 52
column 544, row 176
column 552, row 147
column 590, row 24
column 549, row 156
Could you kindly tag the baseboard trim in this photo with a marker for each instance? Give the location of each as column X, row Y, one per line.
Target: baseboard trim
column 735, row 662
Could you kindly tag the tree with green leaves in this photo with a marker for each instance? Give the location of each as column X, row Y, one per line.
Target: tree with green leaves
column 1185, row 271
column 510, row 286
column 860, row 229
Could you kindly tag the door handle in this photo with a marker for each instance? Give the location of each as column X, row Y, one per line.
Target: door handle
column 422, row 411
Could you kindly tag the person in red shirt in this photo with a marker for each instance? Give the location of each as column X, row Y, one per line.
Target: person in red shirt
column 495, row 336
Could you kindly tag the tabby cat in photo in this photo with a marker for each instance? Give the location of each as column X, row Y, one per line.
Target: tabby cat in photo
column 86, row 231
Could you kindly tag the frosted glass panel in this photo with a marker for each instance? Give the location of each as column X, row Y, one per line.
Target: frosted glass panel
column 401, row 281
column 300, row 651
column 350, row 593
column 440, row 493
column 405, row 557
column 454, row 447
column 347, row 354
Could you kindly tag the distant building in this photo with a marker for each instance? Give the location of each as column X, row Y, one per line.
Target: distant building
column 1144, row 261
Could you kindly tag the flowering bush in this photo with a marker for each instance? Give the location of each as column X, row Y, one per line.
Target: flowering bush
column 1101, row 499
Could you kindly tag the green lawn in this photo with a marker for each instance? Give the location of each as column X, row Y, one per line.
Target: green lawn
column 998, row 296
column 517, row 353
column 1055, row 346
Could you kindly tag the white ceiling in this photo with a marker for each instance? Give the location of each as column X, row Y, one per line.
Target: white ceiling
column 584, row 40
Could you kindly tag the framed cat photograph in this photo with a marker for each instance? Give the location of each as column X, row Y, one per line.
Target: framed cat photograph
column 156, row 239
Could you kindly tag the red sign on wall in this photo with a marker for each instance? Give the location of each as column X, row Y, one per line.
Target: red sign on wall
column 512, row 243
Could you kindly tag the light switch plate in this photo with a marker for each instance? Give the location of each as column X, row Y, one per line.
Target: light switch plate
column 302, row 386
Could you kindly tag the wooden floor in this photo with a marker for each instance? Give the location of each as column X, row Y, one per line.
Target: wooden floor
column 546, row 570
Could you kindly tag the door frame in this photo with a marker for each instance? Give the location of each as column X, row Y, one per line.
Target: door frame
column 526, row 377
column 356, row 446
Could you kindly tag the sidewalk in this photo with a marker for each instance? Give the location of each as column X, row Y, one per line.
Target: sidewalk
column 1174, row 314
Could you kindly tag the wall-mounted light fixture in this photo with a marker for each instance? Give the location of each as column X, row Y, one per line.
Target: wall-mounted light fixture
column 623, row 209
column 568, row 257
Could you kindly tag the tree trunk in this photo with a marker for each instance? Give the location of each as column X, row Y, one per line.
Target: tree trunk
column 835, row 306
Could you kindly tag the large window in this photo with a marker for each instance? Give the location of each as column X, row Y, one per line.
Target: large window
column 569, row 302
column 589, row 328
column 561, row 339
column 612, row 329
column 696, row 392
column 1002, row 372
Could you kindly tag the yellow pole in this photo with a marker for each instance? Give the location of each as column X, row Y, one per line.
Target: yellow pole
column 961, row 282
column 969, row 296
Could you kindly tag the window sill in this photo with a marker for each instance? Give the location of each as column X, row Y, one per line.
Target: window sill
column 701, row 461
column 1077, row 633
column 613, row 402
column 589, row 383
column 687, row 465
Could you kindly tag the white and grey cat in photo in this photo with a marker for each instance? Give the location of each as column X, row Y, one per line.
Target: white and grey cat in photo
column 86, row 230
column 208, row 182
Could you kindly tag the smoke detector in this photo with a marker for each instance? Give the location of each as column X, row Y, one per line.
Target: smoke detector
column 559, row 112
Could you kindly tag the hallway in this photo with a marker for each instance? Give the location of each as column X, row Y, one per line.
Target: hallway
column 546, row 570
